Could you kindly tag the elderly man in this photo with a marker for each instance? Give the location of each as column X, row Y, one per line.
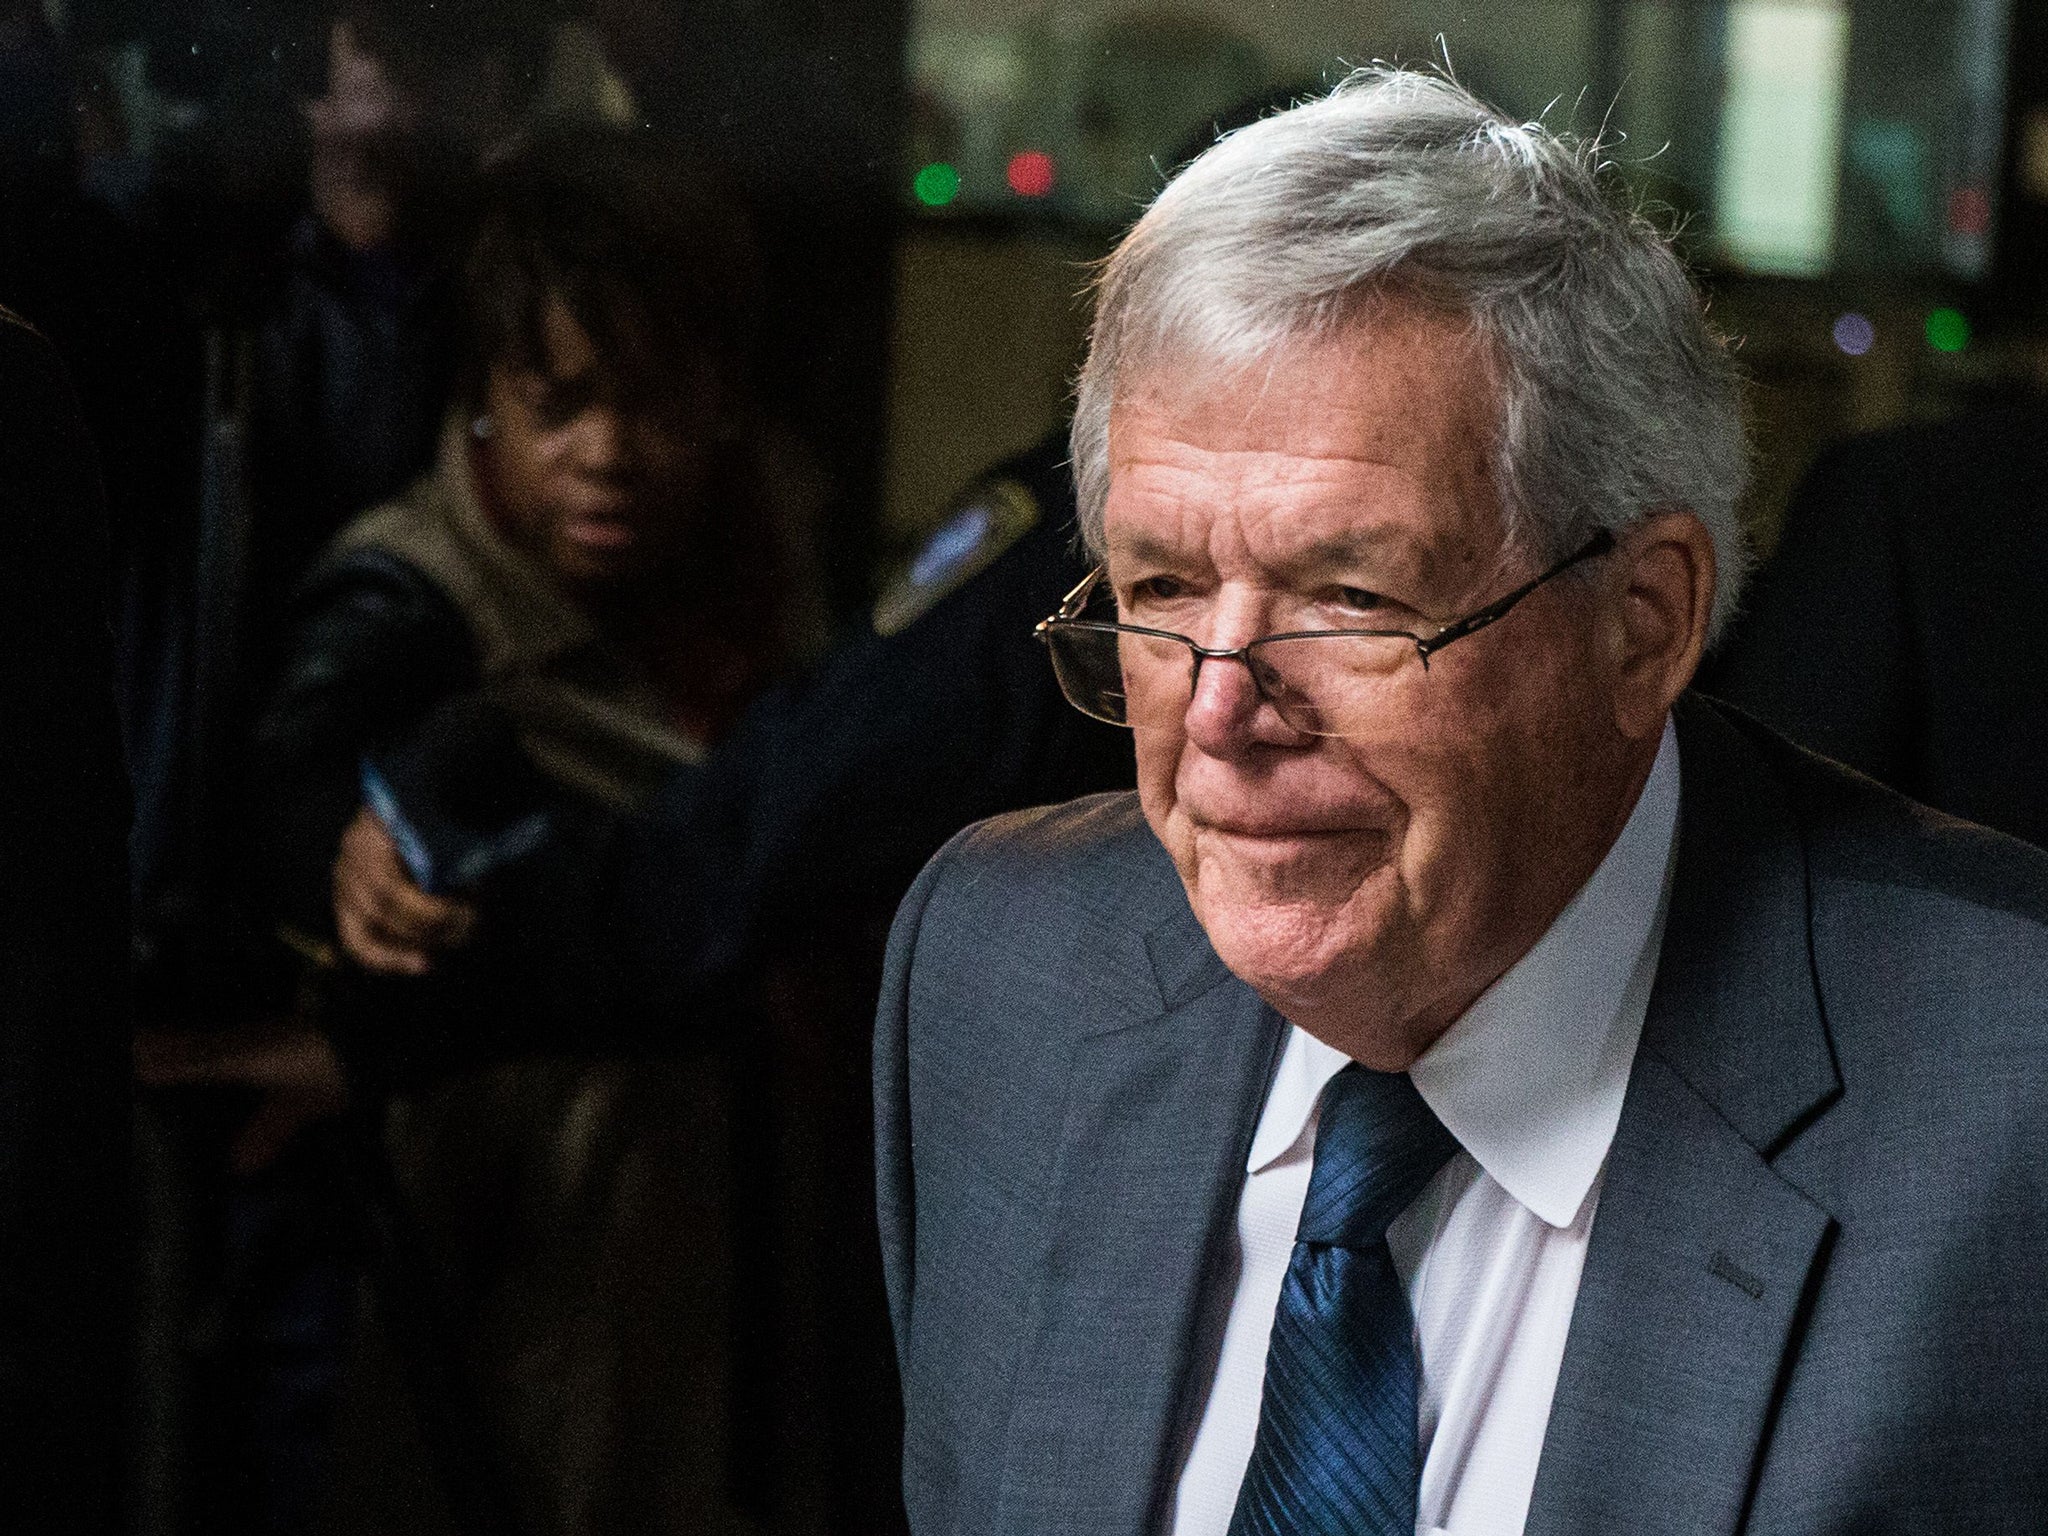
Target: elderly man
column 1471, row 1086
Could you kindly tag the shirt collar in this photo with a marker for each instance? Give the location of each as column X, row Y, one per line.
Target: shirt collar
column 1531, row 1078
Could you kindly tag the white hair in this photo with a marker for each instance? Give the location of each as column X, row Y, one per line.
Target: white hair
column 1616, row 399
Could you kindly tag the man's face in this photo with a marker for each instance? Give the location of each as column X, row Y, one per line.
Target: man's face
column 605, row 490
column 1368, row 886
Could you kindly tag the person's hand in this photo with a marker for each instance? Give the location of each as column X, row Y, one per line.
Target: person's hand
column 386, row 923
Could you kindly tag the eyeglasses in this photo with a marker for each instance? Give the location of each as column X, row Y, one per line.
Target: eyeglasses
column 1322, row 682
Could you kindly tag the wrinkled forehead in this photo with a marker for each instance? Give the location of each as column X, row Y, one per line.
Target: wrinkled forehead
column 1368, row 439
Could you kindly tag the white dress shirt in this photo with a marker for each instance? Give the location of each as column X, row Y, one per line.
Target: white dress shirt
column 1530, row 1081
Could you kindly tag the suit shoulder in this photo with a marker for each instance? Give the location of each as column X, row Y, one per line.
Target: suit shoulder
column 1097, row 851
column 1882, row 874
column 1928, row 942
column 1041, row 917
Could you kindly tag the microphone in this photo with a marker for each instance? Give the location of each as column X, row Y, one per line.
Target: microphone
column 459, row 797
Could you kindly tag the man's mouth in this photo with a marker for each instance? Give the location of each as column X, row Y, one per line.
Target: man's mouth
column 1292, row 844
column 1262, row 828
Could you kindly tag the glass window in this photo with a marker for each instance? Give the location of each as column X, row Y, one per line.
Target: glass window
column 1796, row 137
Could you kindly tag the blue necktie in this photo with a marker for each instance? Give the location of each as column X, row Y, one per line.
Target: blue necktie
column 1336, row 1452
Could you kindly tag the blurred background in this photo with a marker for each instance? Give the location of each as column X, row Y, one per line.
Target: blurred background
column 1860, row 183
column 240, row 222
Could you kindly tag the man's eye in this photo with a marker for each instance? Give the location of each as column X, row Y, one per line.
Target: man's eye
column 1156, row 589
column 1360, row 599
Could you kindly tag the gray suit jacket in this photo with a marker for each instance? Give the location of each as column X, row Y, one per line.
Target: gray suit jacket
column 1816, row 1298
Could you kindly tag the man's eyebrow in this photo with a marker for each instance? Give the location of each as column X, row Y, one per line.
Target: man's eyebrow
column 1145, row 549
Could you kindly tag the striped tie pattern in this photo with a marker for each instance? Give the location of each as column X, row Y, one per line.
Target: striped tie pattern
column 1336, row 1452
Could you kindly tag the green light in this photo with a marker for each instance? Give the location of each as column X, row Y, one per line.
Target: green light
column 1947, row 330
column 937, row 184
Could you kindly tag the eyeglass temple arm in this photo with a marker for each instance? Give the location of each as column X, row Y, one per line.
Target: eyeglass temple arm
column 1074, row 601
column 1427, row 646
column 1070, row 605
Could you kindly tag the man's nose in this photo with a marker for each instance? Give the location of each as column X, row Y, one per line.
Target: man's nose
column 1222, row 702
column 1227, row 714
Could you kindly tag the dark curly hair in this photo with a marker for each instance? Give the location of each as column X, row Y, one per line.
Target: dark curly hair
column 652, row 256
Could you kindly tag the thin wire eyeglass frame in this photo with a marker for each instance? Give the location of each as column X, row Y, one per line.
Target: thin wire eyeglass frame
column 1067, row 617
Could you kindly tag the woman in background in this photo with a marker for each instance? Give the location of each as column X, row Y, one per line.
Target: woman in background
column 607, row 561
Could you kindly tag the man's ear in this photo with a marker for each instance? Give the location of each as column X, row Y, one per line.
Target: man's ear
column 1664, row 583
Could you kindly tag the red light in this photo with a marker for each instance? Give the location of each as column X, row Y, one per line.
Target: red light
column 1969, row 211
column 1030, row 173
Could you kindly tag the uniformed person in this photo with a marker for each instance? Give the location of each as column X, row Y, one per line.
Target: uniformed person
column 831, row 796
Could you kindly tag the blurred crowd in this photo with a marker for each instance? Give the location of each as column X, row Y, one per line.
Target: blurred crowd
column 518, row 802
column 519, row 799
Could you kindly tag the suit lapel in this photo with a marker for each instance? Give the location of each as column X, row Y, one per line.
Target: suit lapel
column 1702, row 1253
column 1151, row 1159
column 1700, row 1259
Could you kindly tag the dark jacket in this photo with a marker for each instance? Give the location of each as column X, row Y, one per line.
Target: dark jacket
column 1898, row 627
column 64, row 1051
column 352, row 373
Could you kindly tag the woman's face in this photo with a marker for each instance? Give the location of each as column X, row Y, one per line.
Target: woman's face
column 603, row 488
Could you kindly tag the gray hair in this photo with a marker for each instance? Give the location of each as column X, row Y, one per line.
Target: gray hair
column 1616, row 399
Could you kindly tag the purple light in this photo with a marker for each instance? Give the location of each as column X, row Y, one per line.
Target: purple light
column 1854, row 334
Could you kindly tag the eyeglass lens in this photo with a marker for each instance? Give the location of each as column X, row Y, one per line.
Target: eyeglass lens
column 1325, row 685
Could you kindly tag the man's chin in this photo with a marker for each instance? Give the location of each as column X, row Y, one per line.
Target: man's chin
column 1297, row 949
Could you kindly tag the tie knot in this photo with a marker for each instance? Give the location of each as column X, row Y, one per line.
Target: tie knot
column 1377, row 1144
